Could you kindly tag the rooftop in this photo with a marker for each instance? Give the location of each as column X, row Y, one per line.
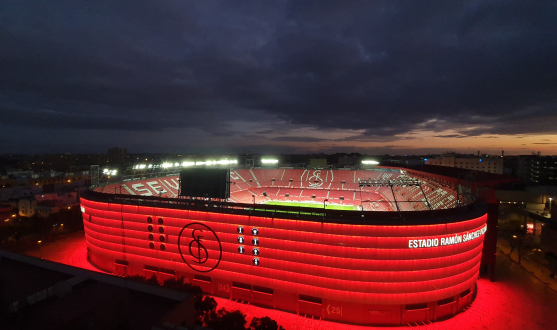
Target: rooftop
column 46, row 295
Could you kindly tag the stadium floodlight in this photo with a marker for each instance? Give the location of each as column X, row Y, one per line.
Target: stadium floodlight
column 149, row 166
column 210, row 162
column 370, row 162
column 269, row 161
column 217, row 162
column 176, row 164
column 142, row 166
column 165, row 165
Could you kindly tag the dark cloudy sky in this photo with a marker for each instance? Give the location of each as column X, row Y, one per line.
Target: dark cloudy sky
column 278, row 76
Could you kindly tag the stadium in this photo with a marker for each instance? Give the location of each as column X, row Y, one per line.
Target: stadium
column 382, row 246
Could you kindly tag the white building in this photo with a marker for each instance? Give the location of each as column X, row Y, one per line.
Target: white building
column 481, row 164
column 27, row 207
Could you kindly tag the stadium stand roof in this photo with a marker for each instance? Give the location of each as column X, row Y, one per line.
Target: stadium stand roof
column 481, row 178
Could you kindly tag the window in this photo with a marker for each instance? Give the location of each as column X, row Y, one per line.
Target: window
column 168, row 271
column 202, row 278
column 416, row 306
column 310, row 299
column 465, row 293
column 151, row 268
column 445, row 301
column 240, row 285
column 262, row 289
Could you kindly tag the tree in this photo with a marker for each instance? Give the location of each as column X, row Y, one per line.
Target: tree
column 180, row 284
column 235, row 320
column 204, row 309
column 525, row 246
column 142, row 279
column 205, row 306
column 174, row 284
column 513, row 233
column 137, row 278
column 153, row 280
column 225, row 320
column 264, row 323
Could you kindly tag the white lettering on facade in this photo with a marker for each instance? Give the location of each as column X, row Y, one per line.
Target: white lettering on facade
column 449, row 240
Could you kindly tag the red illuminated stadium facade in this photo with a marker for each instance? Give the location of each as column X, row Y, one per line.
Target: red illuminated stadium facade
column 406, row 254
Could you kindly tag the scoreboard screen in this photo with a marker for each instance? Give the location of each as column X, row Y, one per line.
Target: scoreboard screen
column 203, row 182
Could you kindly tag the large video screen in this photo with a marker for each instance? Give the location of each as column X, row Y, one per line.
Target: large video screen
column 204, row 182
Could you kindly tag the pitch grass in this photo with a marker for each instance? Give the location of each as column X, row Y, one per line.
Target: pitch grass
column 314, row 205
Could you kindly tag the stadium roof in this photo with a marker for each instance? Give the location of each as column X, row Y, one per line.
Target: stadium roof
column 481, row 178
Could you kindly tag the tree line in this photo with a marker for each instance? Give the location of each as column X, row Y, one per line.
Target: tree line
column 206, row 312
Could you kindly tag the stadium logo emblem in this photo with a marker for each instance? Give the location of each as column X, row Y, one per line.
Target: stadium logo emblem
column 199, row 247
column 315, row 180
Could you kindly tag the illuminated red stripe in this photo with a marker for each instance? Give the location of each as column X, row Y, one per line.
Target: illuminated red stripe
column 320, row 260
column 175, row 218
column 376, row 269
column 304, row 265
column 356, row 297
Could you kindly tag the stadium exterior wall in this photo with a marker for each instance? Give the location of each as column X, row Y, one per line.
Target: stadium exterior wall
column 356, row 273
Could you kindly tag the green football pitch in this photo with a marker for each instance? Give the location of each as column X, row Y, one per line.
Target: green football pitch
column 315, row 205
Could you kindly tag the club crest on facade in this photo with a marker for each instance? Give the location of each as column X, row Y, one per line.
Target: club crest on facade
column 315, row 180
column 199, row 247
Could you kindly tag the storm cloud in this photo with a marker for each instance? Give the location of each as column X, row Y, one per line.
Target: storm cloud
column 221, row 73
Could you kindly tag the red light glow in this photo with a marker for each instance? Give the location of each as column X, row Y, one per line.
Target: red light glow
column 357, row 268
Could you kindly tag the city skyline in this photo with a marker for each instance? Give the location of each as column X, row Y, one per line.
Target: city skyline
column 393, row 77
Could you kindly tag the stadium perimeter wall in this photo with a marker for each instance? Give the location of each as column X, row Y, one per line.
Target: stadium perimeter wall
column 348, row 272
